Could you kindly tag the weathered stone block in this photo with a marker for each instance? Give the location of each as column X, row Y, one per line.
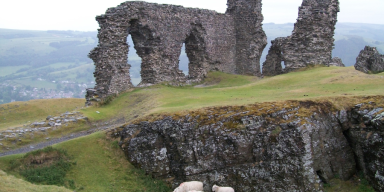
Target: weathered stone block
column 370, row 60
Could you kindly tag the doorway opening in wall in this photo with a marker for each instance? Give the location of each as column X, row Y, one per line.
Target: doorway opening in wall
column 183, row 61
column 135, row 61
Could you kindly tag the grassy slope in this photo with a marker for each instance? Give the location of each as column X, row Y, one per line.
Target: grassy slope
column 9, row 183
column 36, row 42
column 100, row 166
column 224, row 89
column 18, row 113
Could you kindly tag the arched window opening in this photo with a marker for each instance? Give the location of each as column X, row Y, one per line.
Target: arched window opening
column 135, row 61
column 183, row 61
column 282, row 64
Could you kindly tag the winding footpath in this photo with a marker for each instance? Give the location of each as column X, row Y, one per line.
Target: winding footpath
column 42, row 145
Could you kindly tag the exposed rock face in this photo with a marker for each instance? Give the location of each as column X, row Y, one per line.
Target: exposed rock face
column 231, row 43
column 370, row 60
column 262, row 147
column 311, row 42
column 337, row 62
column 365, row 132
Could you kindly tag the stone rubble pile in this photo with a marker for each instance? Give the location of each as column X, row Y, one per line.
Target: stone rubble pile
column 51, row 123
column 336, row 62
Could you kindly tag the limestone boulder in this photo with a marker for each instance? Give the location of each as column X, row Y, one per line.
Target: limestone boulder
column 370, row 60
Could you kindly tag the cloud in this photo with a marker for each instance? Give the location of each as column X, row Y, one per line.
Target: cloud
column 80, row 15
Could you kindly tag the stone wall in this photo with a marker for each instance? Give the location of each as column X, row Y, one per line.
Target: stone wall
column 370, row 60
column 311, row 42
column 295, row 146
column 231, row 43
column 250, row 36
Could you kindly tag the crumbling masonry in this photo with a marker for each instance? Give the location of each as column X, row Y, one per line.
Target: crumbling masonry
column 311, row 42
column 231, row 43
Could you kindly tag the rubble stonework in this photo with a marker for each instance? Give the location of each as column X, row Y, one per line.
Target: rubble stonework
column 231, row 43
column 370, row 60
column 311, row 42
column 250, row 37
column 336, row 62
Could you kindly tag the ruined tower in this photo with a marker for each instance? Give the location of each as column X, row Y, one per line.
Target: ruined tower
column 250, row 37
column 311, row 42
column 231, row 43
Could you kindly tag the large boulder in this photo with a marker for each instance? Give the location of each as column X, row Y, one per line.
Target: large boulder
column 370, row 61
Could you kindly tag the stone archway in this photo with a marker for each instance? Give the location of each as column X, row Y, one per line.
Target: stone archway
column 145, row 45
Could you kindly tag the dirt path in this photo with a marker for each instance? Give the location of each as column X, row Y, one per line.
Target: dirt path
column 42, row 145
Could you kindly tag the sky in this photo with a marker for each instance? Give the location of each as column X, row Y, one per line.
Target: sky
column 79, row 15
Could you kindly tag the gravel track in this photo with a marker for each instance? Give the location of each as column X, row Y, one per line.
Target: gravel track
column 42, row 145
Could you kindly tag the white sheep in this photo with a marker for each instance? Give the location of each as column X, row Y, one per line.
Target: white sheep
column 195, row 191
column 189, row 186
column 216, row 188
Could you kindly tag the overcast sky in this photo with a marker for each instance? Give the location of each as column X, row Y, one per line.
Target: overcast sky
column 80, row 14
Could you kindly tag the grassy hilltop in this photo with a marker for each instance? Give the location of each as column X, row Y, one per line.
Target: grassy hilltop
column 220, row 89
column 101, row 165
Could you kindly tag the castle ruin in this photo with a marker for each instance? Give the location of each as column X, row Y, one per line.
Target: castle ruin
column 232, row 43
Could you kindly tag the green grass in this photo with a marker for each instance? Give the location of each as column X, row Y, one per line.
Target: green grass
column 74, row 70
column 100, row 166
column 10, row 183
column 353, row 185
column 221, row 89
column 35, row 83
column 10, row 69
column 38, row 44
column 44, row 166
column 19, row 113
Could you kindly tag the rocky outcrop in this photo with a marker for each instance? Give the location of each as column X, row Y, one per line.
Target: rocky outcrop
column 231, row 43
column 290, row 146
column 370, row 61
column 364, row 129
column 336, row 62
column 311, row 42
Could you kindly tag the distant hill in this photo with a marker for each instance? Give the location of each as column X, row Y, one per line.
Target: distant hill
column 54, row 64
column 45, row 64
